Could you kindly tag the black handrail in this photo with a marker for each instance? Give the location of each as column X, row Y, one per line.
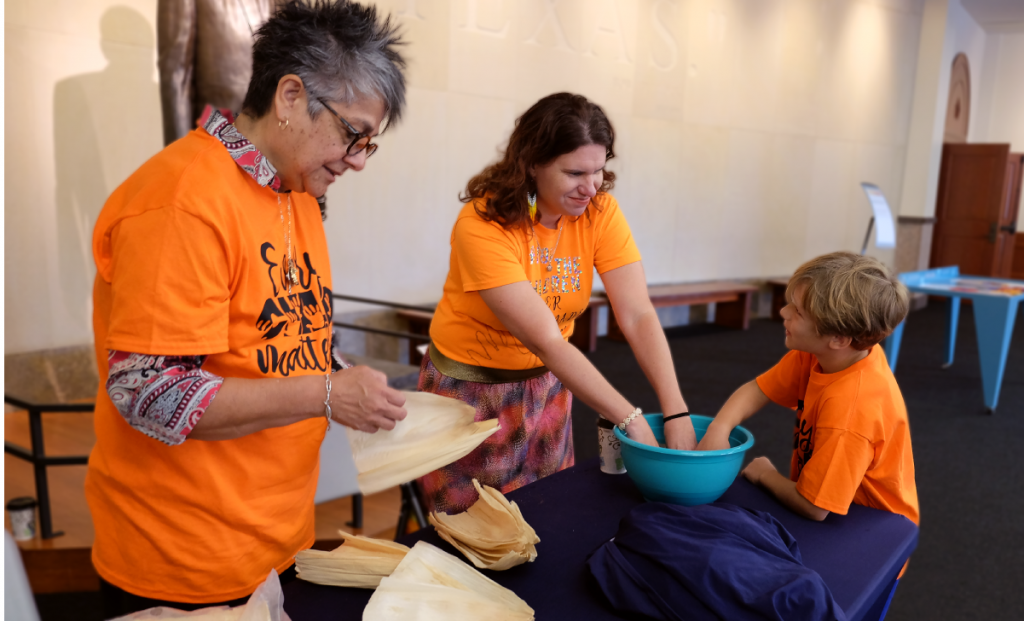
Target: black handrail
column 49, row 407
column 36, row 455
column 396, row 333
column 352, row 298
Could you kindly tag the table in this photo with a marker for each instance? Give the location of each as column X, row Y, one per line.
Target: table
column 576, row 510
column 732, row 302
column 995, row 310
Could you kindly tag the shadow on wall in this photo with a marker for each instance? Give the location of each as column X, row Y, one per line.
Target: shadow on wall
column 106, row 124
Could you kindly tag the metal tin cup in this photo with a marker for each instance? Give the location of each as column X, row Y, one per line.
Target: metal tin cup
column 610, row 448
column 22, row 512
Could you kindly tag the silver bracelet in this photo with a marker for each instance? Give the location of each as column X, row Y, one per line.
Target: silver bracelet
column 629, row 419
column 327, row 401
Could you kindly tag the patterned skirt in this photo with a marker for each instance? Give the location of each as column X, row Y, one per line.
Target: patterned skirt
column 535, row 438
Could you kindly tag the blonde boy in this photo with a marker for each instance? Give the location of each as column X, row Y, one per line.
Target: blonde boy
column 852, row 437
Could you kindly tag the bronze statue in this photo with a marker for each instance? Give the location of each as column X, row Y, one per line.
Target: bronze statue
column 204, row 52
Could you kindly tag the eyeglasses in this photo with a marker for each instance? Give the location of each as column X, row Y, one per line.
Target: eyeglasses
column 360, row 141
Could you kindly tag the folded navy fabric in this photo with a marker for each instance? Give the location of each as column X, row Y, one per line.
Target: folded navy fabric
column 716, row 561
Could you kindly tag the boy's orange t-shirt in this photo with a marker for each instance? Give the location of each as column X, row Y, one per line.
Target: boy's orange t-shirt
column 851, row 441
column 190, row 253
column 484, row 255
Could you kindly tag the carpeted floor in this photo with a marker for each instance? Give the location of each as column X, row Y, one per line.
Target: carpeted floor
column 969, row 563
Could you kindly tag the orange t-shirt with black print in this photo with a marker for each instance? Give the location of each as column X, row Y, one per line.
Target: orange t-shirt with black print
column 851, row 441
column 190, row 254
column 485, row 255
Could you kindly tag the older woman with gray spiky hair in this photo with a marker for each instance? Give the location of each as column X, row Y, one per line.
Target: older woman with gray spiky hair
column 300, row 61
column 213, row 321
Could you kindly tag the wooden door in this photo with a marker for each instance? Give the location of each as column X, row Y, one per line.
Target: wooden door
column 1006, row 235
column 1017, row 272
column 972, row 209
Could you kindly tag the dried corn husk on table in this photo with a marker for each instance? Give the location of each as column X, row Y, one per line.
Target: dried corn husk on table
column 432, row 585
column 360, row 562
column 492, row 533
column 438, row 431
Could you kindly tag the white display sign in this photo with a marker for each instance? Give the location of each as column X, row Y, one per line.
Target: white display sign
column 885, row 229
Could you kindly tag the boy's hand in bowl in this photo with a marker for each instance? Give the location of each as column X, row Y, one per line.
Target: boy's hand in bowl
column 716, row 438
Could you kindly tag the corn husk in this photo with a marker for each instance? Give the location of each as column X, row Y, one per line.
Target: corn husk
column 432, row 585
column 360, row 562
column 438, row 431
column 492, row 533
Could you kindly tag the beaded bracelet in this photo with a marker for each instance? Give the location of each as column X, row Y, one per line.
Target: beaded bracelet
column 629, row 419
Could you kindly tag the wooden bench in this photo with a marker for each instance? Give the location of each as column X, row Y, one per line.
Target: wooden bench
column 732, row 300
column 419, row 323
column 732, row 310
column 584, row 335
column 778, row 286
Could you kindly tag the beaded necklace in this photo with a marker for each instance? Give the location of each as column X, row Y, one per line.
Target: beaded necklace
column 291, row 275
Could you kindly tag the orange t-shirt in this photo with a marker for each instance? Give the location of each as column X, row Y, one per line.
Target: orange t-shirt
column 485, row 255
column 851, row 442
column 189, row 252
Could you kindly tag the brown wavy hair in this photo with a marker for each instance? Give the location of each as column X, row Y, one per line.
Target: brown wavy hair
column 555, row 125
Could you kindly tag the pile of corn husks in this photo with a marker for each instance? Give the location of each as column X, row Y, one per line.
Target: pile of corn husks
column 360, row 562
column 431, row 585
column 492, row 533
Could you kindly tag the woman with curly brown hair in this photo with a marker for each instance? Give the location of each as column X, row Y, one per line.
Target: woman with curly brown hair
column 524, row 248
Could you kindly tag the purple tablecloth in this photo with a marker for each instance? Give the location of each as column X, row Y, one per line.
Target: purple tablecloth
column 858, row 555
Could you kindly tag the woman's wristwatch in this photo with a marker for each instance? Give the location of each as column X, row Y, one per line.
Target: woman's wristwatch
column 626, row 421
column 673, row 417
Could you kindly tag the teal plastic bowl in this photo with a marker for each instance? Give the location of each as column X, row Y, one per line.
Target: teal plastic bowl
column 683, row 477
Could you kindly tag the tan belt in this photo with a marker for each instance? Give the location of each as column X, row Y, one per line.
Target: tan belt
column 483, row 375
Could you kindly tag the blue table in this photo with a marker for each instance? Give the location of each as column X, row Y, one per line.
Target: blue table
column 574, row 511
column 995, row 310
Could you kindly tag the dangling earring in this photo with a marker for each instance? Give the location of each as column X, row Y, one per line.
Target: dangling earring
column 531, row 200
column 283, row 125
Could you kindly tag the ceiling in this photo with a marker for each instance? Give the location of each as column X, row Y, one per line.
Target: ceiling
column 997, row 15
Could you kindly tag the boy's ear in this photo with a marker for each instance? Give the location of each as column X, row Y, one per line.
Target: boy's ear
column 836, row 343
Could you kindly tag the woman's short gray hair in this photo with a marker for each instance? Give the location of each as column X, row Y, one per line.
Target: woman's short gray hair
column 340, row 49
